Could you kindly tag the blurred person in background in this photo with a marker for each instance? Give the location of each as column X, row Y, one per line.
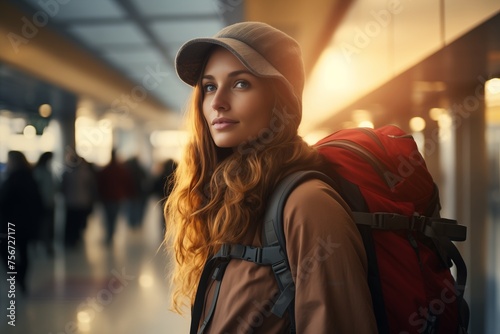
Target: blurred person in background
column 48, row 189
column 115, row 187
column 162, row 184
column 79, row 188
column 21, row 208
column 136, row 204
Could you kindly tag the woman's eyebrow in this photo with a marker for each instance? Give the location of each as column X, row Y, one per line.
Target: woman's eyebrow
column 230, row 75
column 236, row 73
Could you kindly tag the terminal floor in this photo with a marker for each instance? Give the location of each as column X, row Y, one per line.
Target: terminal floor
column 97, row 289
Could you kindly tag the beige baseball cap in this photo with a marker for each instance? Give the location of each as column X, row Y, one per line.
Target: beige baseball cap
column 266, row 52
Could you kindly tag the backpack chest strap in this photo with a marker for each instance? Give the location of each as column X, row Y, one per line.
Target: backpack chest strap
column 270, row 255
column 430, row 227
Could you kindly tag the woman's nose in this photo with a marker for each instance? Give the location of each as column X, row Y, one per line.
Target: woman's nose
column 220, row 100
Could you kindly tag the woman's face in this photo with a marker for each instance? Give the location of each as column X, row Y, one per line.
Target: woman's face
column 237, row 105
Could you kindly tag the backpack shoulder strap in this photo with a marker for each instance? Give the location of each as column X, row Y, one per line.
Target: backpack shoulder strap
column 273, row 234
column 215, row 268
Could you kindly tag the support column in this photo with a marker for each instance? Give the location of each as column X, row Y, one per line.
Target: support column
column 64, row 112
column 468, row 113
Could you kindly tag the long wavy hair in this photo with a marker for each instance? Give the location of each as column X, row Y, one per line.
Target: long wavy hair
column 218, row 193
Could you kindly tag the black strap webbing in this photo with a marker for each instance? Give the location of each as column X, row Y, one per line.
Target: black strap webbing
column 197, row 310
column 273, row 234
column 461, row 280
column 269, row 255
column 216, row 267
column 431, row 227
column 217, row 276
column 272, row 256
column 374, row 279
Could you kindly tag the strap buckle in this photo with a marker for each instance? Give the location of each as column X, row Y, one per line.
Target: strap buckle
column 389, row 221
column 225, row 252
column 441, row 227
column 418, row 223
column 279, row 267
column 253, row 254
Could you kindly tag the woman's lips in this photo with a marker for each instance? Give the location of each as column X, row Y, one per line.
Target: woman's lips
column 223, row 123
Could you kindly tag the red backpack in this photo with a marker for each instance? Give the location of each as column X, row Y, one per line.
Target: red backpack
column 384, row 179
column 395, row 202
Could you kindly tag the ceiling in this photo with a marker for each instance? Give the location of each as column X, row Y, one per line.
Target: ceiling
column 103, row 49
column 136, row 37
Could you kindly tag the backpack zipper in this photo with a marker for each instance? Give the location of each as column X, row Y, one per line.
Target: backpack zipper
column 373, row 136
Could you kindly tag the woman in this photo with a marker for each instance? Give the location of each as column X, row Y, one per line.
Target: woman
column 245, row 112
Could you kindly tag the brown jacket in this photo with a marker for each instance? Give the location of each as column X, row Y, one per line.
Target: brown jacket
column 328, row 263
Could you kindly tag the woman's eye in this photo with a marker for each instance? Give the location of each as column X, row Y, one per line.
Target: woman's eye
column 209, row 87
column 241, row 84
